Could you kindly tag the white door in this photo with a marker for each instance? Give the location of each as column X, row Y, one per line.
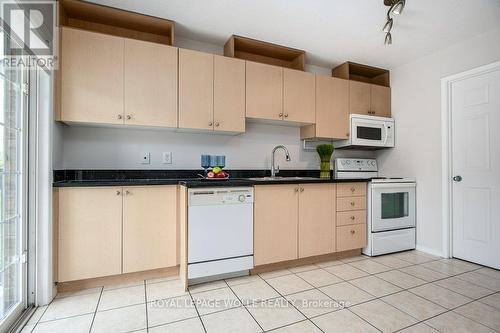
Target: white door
column 475, row 112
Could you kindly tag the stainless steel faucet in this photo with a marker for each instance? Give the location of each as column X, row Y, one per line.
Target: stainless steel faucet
column 275, row 170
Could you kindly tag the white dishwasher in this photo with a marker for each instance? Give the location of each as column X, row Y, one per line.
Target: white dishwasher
column 220, row 232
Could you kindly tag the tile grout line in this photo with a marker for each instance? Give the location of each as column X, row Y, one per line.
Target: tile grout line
column 284, row 297
column 198, row 312
column 95, row 312
column 315, row 267
column 146, row 305
column 447, row 311
column 241, row 302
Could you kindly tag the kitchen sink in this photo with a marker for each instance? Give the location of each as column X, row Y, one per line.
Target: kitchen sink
column 278, row 179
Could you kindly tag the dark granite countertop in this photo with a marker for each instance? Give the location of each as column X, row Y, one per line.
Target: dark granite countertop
column 188, row 178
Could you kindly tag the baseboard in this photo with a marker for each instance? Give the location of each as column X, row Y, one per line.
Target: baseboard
column 305, row 261
column 429, row 251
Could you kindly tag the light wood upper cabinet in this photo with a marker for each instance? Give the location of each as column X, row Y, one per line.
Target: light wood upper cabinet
column 298, row 96
column 380, row 101
column 264, row 91
column 316, row 219
column 150, row 84
column 369, row 99
column 332, row 110
column 229, row 94
column 89, row 234
column 275, row 223
column 196, row 90
column 149, row 227
column 91, row 77
column 359, row 97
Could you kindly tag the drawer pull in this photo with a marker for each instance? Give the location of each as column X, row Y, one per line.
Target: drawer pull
column 353, row 232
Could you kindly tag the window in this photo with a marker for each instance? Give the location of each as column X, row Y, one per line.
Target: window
column 12, row 220
column 394, row 205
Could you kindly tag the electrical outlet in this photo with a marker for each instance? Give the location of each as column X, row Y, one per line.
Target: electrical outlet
column 146, row 158
column 167, row 157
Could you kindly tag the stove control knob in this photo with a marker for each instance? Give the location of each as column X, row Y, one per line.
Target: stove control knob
column 241, row 198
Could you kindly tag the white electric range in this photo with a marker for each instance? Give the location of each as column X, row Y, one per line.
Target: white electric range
column 391, row 206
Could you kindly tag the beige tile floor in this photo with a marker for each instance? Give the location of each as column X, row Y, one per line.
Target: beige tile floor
column 406, row 292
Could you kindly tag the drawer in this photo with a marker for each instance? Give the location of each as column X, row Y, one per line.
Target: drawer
column 351, row 237
column 351, row 189
column 351, row 203
column 351, row 217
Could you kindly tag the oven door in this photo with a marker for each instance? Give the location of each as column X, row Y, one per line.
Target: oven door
column 368, row 132
column 392, row 206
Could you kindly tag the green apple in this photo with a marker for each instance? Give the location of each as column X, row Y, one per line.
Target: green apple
column 216, row 170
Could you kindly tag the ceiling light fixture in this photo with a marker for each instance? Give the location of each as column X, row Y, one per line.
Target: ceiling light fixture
column 395, row 7
column 398, row 7
column 388, row 39
column 388, row 25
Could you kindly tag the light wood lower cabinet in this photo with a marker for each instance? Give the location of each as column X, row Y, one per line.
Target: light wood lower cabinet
column 106, row 231
column 351, row 237
column 149, row 227
column 275, row 223
column 89, row 235
column 316, row 219
column 351, row 216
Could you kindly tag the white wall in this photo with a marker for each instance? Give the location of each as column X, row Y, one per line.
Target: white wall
column 416, row 107
column 120, row 148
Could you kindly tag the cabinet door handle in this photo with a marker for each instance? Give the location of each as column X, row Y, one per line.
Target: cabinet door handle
column 296, row 189
column 210, row 124
column 353, row 189
column 286, row 115
column 301, row 189
column 353, row 232
column 120, row 116
column 353, row 218
column 280, row 115
column 217, row 124
column 352, row 203
column 118, row 192
column 129, row 117
column 127, row 192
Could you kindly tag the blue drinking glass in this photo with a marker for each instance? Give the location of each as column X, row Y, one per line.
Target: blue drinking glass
column 221, row 161
column 213, row 161
column 205, row 162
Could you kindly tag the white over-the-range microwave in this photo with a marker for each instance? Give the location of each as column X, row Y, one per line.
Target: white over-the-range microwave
column 368, row 132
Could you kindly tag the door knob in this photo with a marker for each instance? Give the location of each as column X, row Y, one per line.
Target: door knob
column 457, row 178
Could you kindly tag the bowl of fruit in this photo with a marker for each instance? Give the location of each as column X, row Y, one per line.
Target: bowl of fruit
column 217, row 174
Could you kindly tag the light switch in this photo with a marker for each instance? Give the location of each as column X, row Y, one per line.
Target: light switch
column 146, row 158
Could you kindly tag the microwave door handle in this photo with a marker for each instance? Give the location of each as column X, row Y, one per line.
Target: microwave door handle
column 386, row 134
